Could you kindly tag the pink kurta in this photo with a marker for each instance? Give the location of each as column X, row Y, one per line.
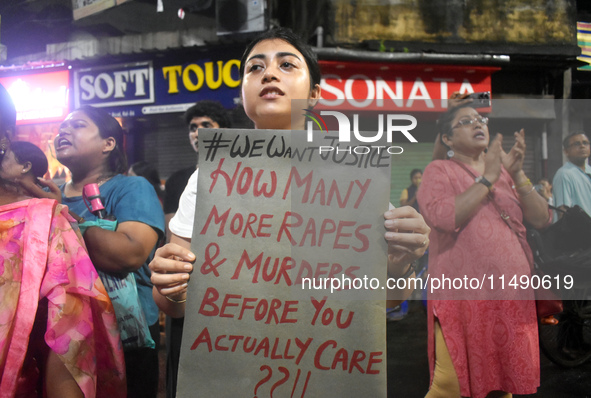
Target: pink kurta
column 49, row 290
column 493, row 343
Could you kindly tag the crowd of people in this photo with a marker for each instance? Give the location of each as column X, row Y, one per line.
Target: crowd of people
column 61, row 334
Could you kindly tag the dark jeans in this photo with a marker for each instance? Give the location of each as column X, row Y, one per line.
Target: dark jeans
column 174, row 334
column 141, row 366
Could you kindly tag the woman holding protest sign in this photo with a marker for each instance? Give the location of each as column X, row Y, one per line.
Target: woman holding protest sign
column 276, row 68
column 477, row 202
column 90, row 144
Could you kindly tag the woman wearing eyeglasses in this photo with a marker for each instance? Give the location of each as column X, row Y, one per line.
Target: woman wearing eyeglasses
column 475, row 203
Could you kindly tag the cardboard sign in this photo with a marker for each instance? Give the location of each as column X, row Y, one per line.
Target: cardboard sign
column 278, row 225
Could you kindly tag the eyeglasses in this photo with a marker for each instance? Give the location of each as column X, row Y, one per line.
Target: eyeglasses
column 579, row 144
column 466, row 122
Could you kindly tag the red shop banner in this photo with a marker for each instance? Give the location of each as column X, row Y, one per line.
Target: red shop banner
column 39, row 97
column 371, row 86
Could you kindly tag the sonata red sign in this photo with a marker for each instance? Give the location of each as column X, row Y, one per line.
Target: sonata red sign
column 39, row 98
column 393, row 87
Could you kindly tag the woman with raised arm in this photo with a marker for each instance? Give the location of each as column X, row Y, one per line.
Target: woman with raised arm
column 90, row 144
column 476, row 203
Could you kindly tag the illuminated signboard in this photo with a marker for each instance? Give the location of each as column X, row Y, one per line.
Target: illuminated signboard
column 140, row 88
column 382, row 86
column 114, row 85
column 39, row 98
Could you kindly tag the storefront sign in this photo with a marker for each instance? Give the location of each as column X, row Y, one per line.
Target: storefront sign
column 40, row 97
column 115, row 85
column 144, row 88
column 141, row 88
column 381, row 86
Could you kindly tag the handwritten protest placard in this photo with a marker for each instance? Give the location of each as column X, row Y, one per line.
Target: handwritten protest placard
column 287, row 295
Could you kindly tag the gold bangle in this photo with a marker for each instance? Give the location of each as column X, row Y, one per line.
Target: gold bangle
column 523, row 184
column 176, row 301
column 527, row 193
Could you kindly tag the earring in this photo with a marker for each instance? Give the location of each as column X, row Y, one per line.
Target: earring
column 450, row 153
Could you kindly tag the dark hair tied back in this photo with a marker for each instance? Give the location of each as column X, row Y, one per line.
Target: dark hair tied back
column 27, row 152
column 108, row 126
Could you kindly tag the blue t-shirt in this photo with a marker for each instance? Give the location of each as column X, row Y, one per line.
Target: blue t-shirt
column 572, row 186
column 130, row 199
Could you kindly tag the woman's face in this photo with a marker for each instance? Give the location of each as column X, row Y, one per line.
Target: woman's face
column 275, row 73
column 468, row 138
column 10, row 169
column 79, row 140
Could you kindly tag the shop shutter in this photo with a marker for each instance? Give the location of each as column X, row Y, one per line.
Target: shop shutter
column 167, row 146
column 176, row 151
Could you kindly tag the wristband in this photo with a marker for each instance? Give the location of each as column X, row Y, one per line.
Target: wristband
column 484, row 182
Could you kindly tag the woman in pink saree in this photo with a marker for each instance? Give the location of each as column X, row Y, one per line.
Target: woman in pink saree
column 58, row 333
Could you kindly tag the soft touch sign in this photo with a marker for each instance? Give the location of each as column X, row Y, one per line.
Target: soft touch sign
column 150, row 87
column 115, row 85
